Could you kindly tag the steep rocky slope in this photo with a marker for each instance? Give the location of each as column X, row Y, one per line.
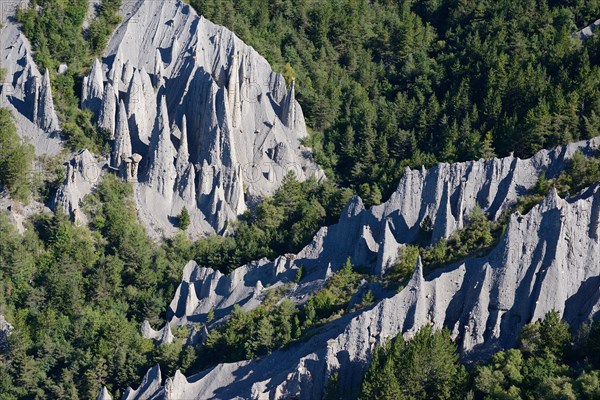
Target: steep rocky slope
column 546, row 259
column 83, row 173
column 26, row 91
column 446, row 194
column 214, row 127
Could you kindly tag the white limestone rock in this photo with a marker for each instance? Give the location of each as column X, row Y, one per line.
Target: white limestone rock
column 372, row 237
column 149, row 388
column 224, row 95
column 46, row 117
column 104, row 395
column 162, row 336
column 108, row 112
column 93, row 88
column 122, row 148
column 5, row 330
column 588, row 31
column 545, row 260
column 83, row 175
column 162, row 173
column 24, row 91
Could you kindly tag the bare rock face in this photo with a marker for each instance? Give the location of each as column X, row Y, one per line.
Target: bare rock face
column 545, row 260
column 214, row 124
column 162, row 336
column 83, row 174
column 24, row 90
column 5, row 331
column 108, row 113
column 588, row 31
column 446, row 194
column 46, row 117
column 104, row 395
column 150, row 386
column 203, row 290
column 122, row 146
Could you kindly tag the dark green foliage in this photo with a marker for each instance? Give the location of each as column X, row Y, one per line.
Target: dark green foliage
column 404, row 266
column 77, row 298
column 582, row 172
column 300, row 274
column 16, row 159
column 277, row 321
column 551, row 335
column 474, row 240
column 55, row 28
column 544, row 367
column 538, row 369
column 477, row 238
column 284, row 223
column 426, row 367
column 248, row 335
column 386, row 84
column 184, row 219
column 252, row 334
column 332, row 301
column 333, row 390
column 102, row 26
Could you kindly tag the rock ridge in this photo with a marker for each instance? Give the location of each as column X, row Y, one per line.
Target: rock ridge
column 546, row 259
column 212, row 121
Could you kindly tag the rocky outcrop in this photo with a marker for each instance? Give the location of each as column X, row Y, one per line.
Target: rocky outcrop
column 104, row 395
column 214, row 124
column 38, row 103
column 162, row 336
column 122, row 146
column 45, row 116
column 204, row 289
column 107, row 118
column 588, row 31
column 93, row 88
column 150, row 386
column 5, row 331
column 545, row 260
column 291, row 113
column 24, row 90
column 83, row 174
column 445, row 194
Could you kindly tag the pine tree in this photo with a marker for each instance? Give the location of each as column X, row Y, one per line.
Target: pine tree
column 487, row 146
column 428, row 367
column 381, row 379
column 184, row 219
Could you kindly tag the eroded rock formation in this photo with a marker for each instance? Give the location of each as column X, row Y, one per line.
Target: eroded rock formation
column 25, row 91
column 215, row 125
column 545, row 260
column 83, row 174
column 5, row 331
column 445, row 194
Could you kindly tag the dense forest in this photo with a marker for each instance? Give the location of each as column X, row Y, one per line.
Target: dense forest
column 384, row 85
